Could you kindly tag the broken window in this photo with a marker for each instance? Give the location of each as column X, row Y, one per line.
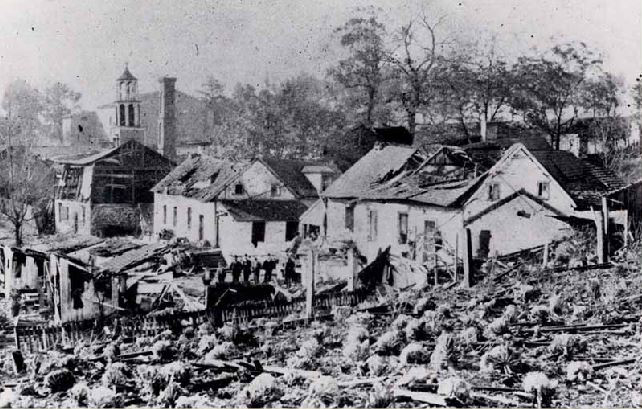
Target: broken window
column 238, row 189
column 326, row 181
column 493, row 191
column 372, row 225
column 189, row 217
column 349, row 217
column 258, row 232
column 403, row 228
column 291, row 229
column 175, row 216
column 543, row 190
column 77, row 283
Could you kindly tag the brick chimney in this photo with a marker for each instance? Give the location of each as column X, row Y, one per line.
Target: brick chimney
column 167, row 118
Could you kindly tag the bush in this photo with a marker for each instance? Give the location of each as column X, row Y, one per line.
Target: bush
column 60, row 380
column 414, row 353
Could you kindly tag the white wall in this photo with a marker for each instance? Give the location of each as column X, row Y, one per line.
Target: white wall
column 448, row 222
column 182, row 229
column 236, row 238
column 66, row 225
column 511, row 233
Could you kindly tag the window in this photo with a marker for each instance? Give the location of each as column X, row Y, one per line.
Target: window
column 543, row 190
column 493, row 191
column 258, row 232
column 175, row 216
column 275, row 190
column 59, row 212
column 372, row 225
column 238, row 189
column 326, row 181
column 189, row 217
column 121, row 119
column 349, row 217
column 164, row 214
column 201, row 222
column 403, row 228
column 130, row 115
column 291, row 229
column 84, row 217
column 66, row 212
column 77, row 281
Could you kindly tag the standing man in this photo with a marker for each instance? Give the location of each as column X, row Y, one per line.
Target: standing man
column 237, row 268
column 247, row 269
column 268, row 266
column 256, row 270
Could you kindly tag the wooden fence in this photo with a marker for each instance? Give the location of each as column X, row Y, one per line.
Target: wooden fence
column 42, row 337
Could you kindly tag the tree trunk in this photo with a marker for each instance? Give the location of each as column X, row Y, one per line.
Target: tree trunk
column 372, row 94
column 17, row 230
column 412, row 120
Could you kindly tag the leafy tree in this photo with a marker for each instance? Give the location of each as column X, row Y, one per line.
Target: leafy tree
column 550, row 86
column 362, row 71
column 59, row 100
column 600, row 94
column 22, row 105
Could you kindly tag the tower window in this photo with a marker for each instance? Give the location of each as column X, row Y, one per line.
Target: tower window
column 130, row 116
column 121, row 119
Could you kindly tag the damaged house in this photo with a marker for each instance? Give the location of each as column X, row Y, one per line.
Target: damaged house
column 108, row 193
column 243, row 207
column 419, row 204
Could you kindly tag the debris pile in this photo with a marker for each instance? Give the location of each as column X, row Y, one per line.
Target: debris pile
column 523, row 336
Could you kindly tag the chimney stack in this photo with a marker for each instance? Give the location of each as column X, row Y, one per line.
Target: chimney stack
column 167, row 118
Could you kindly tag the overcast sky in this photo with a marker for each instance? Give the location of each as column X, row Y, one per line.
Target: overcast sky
column 86, row 43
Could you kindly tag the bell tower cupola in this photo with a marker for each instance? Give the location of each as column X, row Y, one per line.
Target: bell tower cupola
column 127, row 119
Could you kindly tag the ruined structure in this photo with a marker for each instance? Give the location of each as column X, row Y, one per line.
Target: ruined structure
column 106, row 194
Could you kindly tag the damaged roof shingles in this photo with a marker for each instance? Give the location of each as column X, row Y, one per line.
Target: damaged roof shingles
column 201, row 177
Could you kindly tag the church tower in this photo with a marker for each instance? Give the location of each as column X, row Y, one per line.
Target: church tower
column 127, row 119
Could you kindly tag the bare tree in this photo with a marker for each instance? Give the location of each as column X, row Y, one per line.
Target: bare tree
column 414, row 61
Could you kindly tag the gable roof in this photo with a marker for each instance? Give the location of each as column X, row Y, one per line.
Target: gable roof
column 372, row 169
column 582, row 180
column 201, row 177
column 264, row 210
column 290, row 171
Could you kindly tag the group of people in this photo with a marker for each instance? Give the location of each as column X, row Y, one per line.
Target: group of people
column 248, row 269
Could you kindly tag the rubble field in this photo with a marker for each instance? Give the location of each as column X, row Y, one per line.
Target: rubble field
column 523, row 336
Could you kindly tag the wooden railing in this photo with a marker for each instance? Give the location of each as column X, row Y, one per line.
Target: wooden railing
column 42, row 337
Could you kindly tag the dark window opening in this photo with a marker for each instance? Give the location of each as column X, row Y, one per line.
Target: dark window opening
column 121, row 120
column 543, row 190
column 403, row 228
column 311, row 231
column 130, row 116
column 175, row 216
column 40, row 265
column 59, row 212
column 258, row 232
column 77, row 282
column 349, row 218
column 275, row 190
column 484, row 243
column 238, row 189
column 201, row 222
column 291, row 230
column 80, row 128
column 164, row 214
column 189, row 217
